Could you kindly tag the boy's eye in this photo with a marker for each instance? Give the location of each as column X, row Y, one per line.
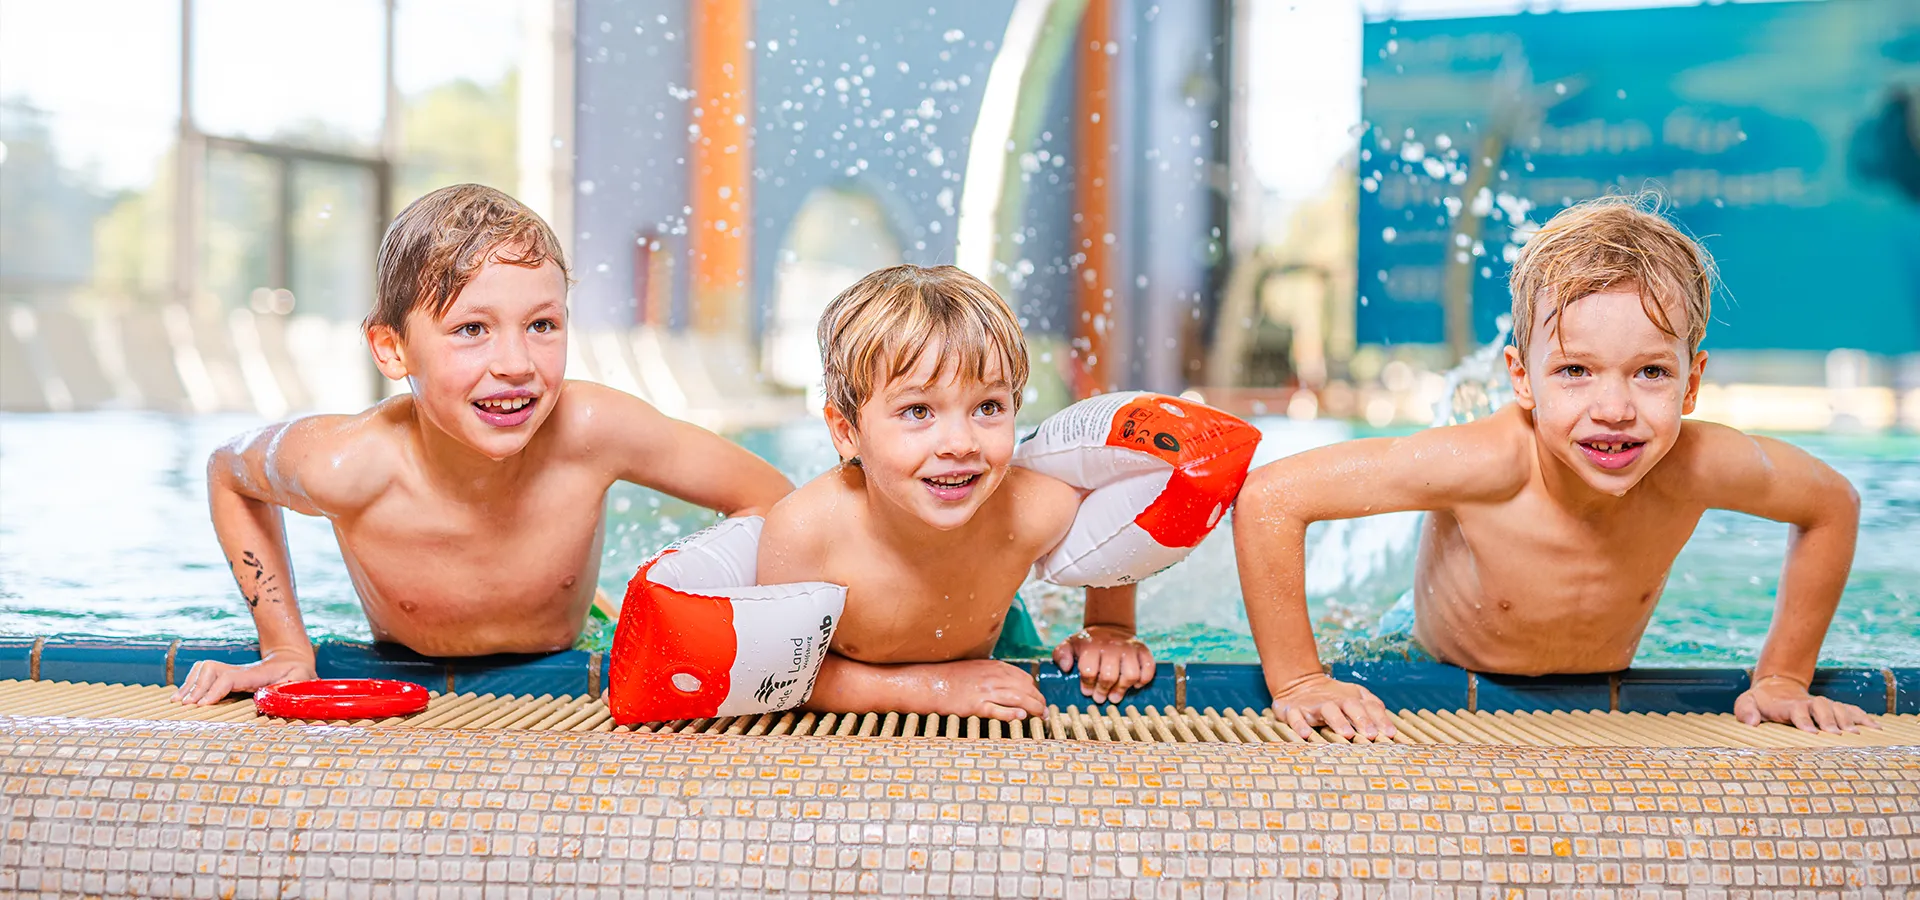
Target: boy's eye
column 543, row 326
column 991, row 408
column 1653, row 372
column 472, row 329
column 919, row 412
column 1574, row 371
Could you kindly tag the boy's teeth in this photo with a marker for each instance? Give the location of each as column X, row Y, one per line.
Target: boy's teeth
column 506, row 405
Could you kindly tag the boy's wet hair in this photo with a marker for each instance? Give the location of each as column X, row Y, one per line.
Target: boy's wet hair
column 439, row 243
column 1613, row 243
column 878, row 329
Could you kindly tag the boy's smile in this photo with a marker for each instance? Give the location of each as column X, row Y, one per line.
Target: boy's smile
column 507, row 409
column 1606, row 387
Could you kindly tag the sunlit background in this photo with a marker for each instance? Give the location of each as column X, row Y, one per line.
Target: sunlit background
column 1301, row 212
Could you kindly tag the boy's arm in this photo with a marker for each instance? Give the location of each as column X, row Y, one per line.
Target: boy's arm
column 967, row 687
column 1110, row 659
column 249, row 481
column 1432, row 469
column 652, row 449
column 1776, row 480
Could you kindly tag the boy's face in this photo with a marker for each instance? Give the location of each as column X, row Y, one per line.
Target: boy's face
column 487, row 373
column 1606, row 387
column 932, row 443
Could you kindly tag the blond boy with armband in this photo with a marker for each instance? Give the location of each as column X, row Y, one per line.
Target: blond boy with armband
column 469, row 511
column 1551, row 526
column 925, row 521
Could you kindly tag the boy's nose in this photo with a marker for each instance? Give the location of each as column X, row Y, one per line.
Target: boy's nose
column 958, row 439
column 513, row 359
column 1615, row 403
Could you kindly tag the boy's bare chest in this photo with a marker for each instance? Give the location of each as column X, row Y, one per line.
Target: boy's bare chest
column 442, row 573
column 928, row 607
column 1530, row 546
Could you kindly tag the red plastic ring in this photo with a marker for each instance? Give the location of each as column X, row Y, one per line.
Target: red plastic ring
column 340, row 698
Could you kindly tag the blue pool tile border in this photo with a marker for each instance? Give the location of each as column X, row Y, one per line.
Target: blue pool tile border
column 1399, row 684
column 1905, row 690
column 114, row 660
column 16, row 657
column 1680, row 690
column 1865, row 688
column 1545, row 693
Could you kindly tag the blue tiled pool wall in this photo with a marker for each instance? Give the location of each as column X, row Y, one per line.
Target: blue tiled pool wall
column 1399, row 684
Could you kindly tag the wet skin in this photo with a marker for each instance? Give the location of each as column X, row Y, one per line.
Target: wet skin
column 469, row 512
column 932, row 533
column 1553, row 524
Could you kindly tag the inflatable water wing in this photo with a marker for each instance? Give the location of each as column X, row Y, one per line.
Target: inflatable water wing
column 698, row 638
column 1161, row 472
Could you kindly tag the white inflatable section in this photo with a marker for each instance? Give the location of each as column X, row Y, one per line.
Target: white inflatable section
column 1103, row 548
column 783, row 630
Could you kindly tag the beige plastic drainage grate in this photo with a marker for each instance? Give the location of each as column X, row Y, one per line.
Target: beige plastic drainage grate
column 1101, row 724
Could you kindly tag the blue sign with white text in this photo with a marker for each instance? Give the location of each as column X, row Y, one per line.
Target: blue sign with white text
column 1786, row 136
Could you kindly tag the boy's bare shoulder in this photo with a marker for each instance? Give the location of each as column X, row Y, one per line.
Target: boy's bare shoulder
column 584, row 408
column 824, row 507
column 1040, row 506
column 1485, row 460
column 1710, row 461
column 1494, row 456
column 344, row 462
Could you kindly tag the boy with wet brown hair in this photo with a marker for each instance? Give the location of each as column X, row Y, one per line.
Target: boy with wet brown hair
column 926, row 522
column 1552, row 525
column 470, row 510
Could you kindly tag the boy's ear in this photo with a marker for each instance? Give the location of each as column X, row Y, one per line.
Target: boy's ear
column 1517, row 374
column 845, row 438
column 1694, row 370
column 389, row 352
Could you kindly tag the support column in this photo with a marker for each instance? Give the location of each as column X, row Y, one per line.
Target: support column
column 1096, row 293
column 720, row 165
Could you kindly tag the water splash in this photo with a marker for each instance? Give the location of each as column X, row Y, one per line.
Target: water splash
column 1479, row 385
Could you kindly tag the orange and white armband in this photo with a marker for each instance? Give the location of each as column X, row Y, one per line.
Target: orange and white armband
column 698, row 638
column 1161, row 472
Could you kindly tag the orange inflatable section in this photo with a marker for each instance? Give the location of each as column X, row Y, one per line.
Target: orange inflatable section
column 665, row 633
column 1210, row 452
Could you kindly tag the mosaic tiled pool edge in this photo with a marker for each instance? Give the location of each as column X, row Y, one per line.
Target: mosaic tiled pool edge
column 192, row 809
column 1400, row 684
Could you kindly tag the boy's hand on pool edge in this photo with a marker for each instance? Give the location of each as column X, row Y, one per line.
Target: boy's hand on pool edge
column 210, row 681
column 1319, row 699
column 1780, row 698
column 1110, row 659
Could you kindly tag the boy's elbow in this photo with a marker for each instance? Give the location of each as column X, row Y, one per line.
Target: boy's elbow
column 1265, row 488
column 1267, row 494
column 1845, row 502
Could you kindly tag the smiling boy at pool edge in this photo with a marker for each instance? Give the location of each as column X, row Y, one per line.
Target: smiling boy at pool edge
column 925, row 522
column 1551, row 526
column 470, row 511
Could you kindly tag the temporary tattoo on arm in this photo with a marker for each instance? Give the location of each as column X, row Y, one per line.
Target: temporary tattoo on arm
column 261, row 585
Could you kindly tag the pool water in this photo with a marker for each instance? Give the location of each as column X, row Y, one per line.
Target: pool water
column 104, row 530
